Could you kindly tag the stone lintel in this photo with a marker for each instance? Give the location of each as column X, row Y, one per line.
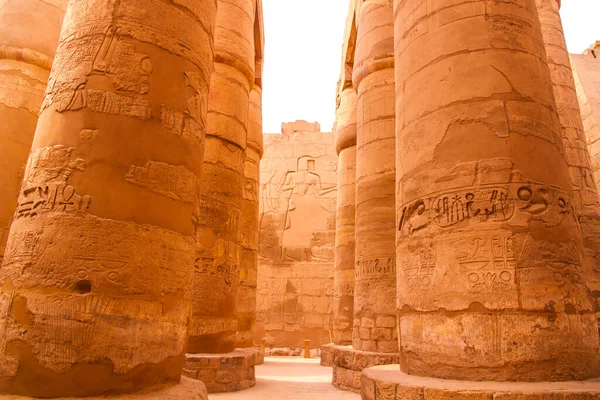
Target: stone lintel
column 223, row 373
column 349, row 363
column 387, row 382
column 187, row 389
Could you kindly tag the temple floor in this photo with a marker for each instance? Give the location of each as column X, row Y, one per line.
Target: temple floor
column 290, row 378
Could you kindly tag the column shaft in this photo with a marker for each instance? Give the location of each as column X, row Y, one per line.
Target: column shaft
column 490, row 277
column 375, row 274
column 246, row 299
column 343, row 299
column 96, row 281
column 25, row 62
column 217, row 273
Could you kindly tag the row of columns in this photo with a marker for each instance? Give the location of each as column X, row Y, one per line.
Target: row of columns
column 492, row 262
column 137, row 206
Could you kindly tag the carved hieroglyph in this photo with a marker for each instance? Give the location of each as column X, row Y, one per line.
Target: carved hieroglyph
column 218, row 237
column 246, row 297
column 297, row 230
column 490, row 278
column 375, row 269
column 343, row 299
column 97, row 275
column 25, row 61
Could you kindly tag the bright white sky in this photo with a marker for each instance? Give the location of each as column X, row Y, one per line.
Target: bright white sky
column 303, row 55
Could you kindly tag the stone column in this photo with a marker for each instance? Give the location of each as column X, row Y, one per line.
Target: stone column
column 96, row 280
column 490, row 279
column 211, row 357
column 374, row 338
column 343, row 299
column 246, row 298
column 585, row 194
column 25, row 61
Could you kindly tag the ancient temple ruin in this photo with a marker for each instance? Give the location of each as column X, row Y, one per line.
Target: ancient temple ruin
column 442, row 241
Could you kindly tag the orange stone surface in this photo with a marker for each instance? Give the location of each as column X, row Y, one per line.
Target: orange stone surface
column 491, row 277
column 25, row 60
column 97, row 274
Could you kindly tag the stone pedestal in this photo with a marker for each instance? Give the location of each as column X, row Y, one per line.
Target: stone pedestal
column 186, row 389
column 96, row 281
column 327, row 354
column 385, row 383
column 25, row 61
column 230, row 372
column 349, row 363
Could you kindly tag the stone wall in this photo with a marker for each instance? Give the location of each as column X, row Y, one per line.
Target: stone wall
column 297, row 235
column 586, row 69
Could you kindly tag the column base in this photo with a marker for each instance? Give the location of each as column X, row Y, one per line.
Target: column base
column 187, row 389
column 223, row 373
column 260, row 356
column 387, row 382
column 327, row 354
column 349, row 363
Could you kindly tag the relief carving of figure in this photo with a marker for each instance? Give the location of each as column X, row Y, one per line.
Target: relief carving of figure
column 304, row 214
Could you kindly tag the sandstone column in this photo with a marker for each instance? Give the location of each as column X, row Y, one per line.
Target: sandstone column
column 96, row 279
column 374, row 326
column 217, row 270
column 490, row 279
column 246, row 298
column 585, row 194
column 343, row 299
column 25, row 61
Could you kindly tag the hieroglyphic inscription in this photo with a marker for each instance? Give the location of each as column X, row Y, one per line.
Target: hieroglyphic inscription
column 374, row 267
column 486, row 205
column 178, row 183
column 187, row 124
column 419, row 266
column 488, row 262
column 344, row 289
column 35, row 200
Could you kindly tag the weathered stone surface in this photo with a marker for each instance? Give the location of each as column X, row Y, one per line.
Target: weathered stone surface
column 586, row 203
column 220, row 373
column 327, row 355
column 586, row 71
column 246, row 297
column 491, row 277
column 343, row 298
column 297, row 231
column 349, row 363
column 25, row 61
column 375, row 270
column 96, row 281
column 386, row 383
column 222, row 190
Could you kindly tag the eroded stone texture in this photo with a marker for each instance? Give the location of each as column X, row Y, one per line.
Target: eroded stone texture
column 585, row 195
column 96, row 279
column 349, row 363
column 219, row 216
column 490, row 278
column 297, row 237
column 375, row 270
column 246, row 298
column 586, row 71
column 343, row 298
column 25, row 61
column 385, row 383
column 221, row 373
